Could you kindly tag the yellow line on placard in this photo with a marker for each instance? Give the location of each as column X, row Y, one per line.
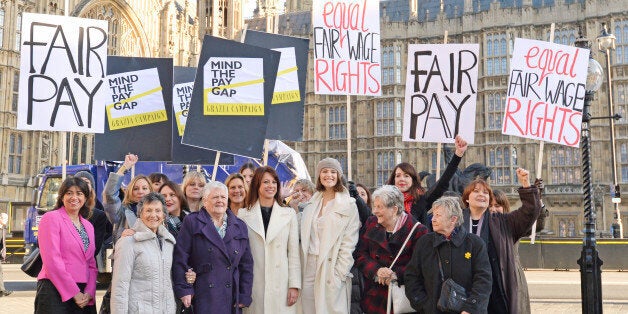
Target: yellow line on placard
column 234, row 85
column 154, row 90
column 286, row 71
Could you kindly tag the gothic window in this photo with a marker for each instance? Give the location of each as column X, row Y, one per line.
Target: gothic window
column 496, row 54
column 1, row 27
column 337, row 122
column 620, row 100
column 621, row 33
column 16, row 88
column 15, row 153
column 565, row 165
column 18, row 31
column 500, row 161
column 84, row 149
column 443, row 163
column 75, row 149
column 385, row 164
column 623, row 160
column 567, row 227
column 388, row 117
column 495, row 110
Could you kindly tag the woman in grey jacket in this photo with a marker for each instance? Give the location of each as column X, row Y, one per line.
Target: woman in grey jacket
column 141, row 273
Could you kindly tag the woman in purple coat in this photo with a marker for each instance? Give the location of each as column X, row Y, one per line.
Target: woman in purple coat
column 215, row 244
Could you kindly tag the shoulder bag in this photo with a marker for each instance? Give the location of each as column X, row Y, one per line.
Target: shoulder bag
column 396, row 293
column 32, row 264
column 452, row 295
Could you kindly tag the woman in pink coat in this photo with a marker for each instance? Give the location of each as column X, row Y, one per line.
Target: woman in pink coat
column 67, row 281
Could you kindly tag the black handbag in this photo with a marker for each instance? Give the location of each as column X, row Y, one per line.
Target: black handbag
column 452, row 295
column 32, row 264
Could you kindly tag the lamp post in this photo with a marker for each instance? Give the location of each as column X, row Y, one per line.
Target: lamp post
column 606, row 43
column 590, row 263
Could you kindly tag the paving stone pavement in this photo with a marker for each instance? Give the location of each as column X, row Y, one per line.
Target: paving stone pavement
column 21, row 301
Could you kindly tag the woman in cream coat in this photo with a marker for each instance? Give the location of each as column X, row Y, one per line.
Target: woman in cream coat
column 329, row 234
column 274, row 240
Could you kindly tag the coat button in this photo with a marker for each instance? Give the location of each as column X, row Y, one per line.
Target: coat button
column 211, row 285
column 446, row 261
column 235, row 252
column 329, row 259
column 228, row 285
column 474, row 301
column 228, row 267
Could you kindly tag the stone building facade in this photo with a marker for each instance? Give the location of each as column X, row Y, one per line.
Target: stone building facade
column 376, row 143
column 148, row 28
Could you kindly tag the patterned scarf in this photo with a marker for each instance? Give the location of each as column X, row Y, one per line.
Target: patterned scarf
column 407, row 201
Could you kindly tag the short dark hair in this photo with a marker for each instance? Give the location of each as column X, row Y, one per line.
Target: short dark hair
column 86, row 209
column 157, row 177
column 150, row 198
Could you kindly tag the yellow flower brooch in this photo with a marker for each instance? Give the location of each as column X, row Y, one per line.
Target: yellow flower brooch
column 467, row 255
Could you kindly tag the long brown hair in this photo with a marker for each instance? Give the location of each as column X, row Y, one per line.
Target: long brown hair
column 415, row 188
column 86, row 209
column 253, row 194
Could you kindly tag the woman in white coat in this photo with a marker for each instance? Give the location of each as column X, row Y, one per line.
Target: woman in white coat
column 329, row 234
column 141, row 280
column 274, row 239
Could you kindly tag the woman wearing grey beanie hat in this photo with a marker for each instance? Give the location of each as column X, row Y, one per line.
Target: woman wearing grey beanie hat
column 329, row 234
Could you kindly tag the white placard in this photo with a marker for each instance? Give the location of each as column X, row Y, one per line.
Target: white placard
column 441, row 93
column 181, row 95
column 233, row 87
column 346, row 46
column 287, row 83
column 135, row 99
column 546, row 92
column 63, row 65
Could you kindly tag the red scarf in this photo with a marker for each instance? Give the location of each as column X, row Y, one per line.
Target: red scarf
column 407, row 201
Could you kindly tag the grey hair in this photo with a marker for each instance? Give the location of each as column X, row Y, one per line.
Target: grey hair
column 306, row 184
column 151, row 198
column 390, row 196
column 451, row 205
column 211, row 185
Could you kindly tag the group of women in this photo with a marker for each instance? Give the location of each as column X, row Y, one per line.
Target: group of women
column 242, row 247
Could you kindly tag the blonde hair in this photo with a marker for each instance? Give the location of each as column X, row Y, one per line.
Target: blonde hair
column 191, row 176
column 129, row 189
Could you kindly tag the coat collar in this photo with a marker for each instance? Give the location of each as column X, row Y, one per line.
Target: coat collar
column 143, row 233
column 377, row 233
column 209, row 230
column 457, row 237
column 280, row 217
column 341, row 210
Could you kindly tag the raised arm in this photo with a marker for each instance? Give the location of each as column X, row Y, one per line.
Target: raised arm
column 443, row 182
column 520, row 221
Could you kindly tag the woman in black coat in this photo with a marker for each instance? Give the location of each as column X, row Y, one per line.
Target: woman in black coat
column 461, row 255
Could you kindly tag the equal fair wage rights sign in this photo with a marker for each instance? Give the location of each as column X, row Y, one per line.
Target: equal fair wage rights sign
column 346, row 39
column 546, row 92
